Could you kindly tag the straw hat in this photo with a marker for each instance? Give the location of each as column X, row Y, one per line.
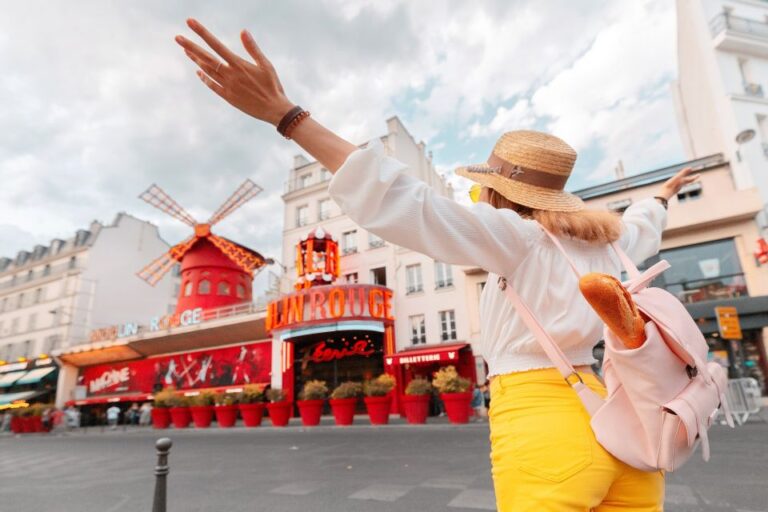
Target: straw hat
column 529, row 168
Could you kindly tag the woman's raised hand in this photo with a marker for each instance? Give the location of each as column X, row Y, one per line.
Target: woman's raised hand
column 252, row 87
column 673, row 185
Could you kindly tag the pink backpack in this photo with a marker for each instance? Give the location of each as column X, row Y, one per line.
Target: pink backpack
column 662, row 396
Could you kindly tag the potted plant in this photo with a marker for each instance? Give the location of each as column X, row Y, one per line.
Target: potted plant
column 344, row 400
column 310, row 402
column 251, row 405
column 35, row 418
column 226, row 409
column 416, row 400
column 377, row 398
column 454, row 391
column 17, row 426
column 201, row 408
column 279, row 407
column 180, row 416
column 161, row 416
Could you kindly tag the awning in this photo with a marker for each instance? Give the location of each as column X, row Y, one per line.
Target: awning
column 142, row 397
column 35, row 376
column 440, row 353
column 7, row 398
column 9, row 379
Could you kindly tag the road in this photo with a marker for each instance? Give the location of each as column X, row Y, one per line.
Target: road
column 358, row 468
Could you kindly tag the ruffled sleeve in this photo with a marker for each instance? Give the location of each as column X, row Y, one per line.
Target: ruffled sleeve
column 375, row 192
column 643, row 222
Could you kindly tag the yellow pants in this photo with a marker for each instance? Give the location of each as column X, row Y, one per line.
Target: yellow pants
column 545, row 456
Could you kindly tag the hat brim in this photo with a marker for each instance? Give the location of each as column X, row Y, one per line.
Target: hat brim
column 532, row 196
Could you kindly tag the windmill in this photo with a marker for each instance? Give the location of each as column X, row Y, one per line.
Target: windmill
column 215, row 271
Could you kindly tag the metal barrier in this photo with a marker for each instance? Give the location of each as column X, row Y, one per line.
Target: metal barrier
column 163, row 447
column 743, row 398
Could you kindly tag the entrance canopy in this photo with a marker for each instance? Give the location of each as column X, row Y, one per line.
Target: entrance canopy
column 427, row 354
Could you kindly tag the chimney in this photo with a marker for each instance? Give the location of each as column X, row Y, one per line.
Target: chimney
column 619, row 170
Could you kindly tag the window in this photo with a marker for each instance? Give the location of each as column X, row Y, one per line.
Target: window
column 13, row 279
column 302, row 216
column 20, row 300
column 324, row 209
column 240, row 291
column 176, row 289
column 188, row 289
column 30, row 275
column 223, row 288
column 176, row 270
column 15, row 325
column 351, row 278
column 374, row 241
column 38, row 295
column 379, row 276
column 413, row 280
column 447, row 325
column 4, row 304
column 349, row 242
column 708, row 271
column 620, row 205
column 50, row 343
column 689, row 192
column 305, row 180
column 204, row 287
column 480, row 287
column 325, row 174
column 72, row 262
column 443, row 275
column 47, row 270
column 32, row 322
column 418, row 329
column 26, row 347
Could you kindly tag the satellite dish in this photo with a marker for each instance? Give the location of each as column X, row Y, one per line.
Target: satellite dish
column 745, row 136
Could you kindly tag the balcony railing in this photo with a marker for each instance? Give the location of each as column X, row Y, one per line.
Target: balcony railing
column 300, row 184
column 755, row 90
column 725, row 21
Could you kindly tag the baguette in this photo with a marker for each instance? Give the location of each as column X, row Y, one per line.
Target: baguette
column 614, row 305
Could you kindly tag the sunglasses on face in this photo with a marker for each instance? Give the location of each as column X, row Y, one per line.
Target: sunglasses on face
column 474, row 192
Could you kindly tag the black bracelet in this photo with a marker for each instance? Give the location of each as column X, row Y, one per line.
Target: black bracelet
column 663, row 202
column 288, row 119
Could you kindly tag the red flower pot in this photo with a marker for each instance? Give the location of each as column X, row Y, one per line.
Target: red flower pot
column 16, row 425
column 279, row 413
column 251, row 413
column 37, row 424
column 457, row 406
column 26, row 425
column 202, row 415
column 416, row 408
column 378, row 409
column 226, row 415
column 343, row 410
column 161, row 418
column 180, row 417
column 310, row 411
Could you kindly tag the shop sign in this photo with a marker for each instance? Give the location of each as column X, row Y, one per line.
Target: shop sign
column 239, row 365
column 435, row 357
column 330, row 303
column 728, row 322
column 322, row 353
column 187, row 317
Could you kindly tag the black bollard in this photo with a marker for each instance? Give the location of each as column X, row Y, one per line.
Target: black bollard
column 163, row 446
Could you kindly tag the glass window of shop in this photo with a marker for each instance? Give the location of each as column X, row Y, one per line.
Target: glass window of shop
column 708, row 271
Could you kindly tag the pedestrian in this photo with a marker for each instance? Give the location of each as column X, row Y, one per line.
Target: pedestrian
column 113, row 416
column 46, row 419
column 73, row 417
column 145, row 414
column 477, row 404
column 134, row 411
column 57, row 419
column 544, row 454
column 486, row 389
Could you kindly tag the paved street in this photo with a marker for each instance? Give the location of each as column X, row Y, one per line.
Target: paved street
column 360, row 468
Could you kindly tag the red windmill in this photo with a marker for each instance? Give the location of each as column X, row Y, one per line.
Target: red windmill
column 215, row 271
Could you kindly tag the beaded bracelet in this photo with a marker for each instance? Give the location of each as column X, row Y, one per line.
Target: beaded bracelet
column 295, row 122
column 288, row 118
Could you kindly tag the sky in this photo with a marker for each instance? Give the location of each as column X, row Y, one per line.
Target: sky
column 97, row 102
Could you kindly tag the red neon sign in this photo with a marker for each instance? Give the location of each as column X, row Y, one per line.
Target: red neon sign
column 321, row 352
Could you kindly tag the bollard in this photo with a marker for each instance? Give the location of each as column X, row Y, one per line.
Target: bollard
column 163, row 446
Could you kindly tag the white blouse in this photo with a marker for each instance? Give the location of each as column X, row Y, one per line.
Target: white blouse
column 375, row 192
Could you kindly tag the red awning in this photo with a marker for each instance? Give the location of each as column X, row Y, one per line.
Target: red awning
column 429, row 354
column 143, row 397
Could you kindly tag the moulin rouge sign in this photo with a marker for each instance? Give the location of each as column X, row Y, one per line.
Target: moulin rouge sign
column 188, row 317
column 330, row 303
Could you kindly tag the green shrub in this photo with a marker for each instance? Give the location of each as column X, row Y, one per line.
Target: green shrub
column 204, row 398
column 164, row 398
column 448, row 380
column 379, row 386
column 314, row 390
column 251, row 394
column 225, row 398
column 418, row 386
column 276, row 395
column 347, row 390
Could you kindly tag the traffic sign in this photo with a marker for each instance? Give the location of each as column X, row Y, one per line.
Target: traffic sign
column 728, row 322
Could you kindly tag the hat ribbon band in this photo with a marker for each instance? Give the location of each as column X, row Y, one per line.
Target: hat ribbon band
column 525, row 174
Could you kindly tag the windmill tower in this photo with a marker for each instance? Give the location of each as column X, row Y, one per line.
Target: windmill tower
column 215, row 271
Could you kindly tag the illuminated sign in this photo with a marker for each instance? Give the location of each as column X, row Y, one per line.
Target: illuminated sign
column 158, row 323
column 330, row 303
column 109, row 378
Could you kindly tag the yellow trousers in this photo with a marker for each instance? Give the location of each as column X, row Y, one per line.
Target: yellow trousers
column 545, row 456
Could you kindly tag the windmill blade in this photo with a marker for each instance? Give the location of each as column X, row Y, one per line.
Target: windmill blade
column 155, row 271
column 243, row 258
column 158, row 198
column 244, row 193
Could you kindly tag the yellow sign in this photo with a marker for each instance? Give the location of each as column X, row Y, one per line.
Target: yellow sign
column 728, row 322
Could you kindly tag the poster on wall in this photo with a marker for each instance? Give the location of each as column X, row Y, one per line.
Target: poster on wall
column 230, row 366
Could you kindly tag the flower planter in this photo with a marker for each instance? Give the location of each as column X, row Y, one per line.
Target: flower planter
column 416, row 408
column 26, row 425
column 226, row 415
column 252, row 414
column 161, row 418
column 279, row 413
column 202, row 415
column 36, row 424
column 310, row 412
column 16, row 425
column 180, row 417
column 457, row 406
column 343, row 410
column 378, row 409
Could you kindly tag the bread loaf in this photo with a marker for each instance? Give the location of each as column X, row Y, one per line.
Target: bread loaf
column 614, row 305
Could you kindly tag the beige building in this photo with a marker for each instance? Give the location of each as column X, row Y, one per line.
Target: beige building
column 709, row 241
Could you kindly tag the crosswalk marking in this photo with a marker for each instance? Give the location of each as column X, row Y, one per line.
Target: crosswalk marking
column 382, row 492
column 479, row 499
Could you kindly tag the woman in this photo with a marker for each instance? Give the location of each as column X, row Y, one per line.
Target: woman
column 544, row 454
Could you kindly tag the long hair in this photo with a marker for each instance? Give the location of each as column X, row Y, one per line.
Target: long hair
column 593, row 226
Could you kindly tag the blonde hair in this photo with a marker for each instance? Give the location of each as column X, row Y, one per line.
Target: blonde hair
column 593, row 226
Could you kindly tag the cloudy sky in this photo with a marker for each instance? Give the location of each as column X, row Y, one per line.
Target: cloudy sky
column 97, row 102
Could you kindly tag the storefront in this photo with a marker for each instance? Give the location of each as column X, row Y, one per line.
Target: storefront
column 27, row 382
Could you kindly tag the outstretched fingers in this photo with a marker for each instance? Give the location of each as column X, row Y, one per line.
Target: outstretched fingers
column 249, row 43
column 209, row 65
column 212, row 41
column 212, row 85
